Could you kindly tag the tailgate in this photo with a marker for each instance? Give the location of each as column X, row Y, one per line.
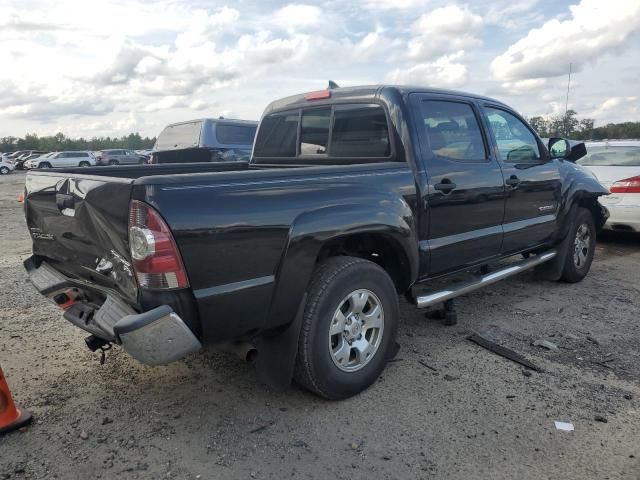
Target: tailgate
column 79, row 226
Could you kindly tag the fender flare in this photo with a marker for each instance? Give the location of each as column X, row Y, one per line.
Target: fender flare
column 278, row 345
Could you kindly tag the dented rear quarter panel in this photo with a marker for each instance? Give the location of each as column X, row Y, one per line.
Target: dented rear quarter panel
column 95, row 229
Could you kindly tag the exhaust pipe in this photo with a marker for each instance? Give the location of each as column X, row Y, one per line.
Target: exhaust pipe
column 243, row 350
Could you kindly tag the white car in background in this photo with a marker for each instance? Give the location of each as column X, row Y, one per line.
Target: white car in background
column 62, row 159
column 617, row 167
column 6, row 165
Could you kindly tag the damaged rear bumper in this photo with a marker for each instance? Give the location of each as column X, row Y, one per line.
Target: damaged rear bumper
column 154, row 337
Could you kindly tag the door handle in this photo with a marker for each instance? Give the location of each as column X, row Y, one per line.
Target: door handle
column 512, row 181
column 445, row 186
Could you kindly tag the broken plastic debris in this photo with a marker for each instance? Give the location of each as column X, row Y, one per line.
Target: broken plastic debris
column 564, row 426
column 546, row 344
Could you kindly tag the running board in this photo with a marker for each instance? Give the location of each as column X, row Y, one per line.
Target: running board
column 483, row 280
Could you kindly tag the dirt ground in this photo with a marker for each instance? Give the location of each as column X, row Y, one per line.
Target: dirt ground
column 473, row 414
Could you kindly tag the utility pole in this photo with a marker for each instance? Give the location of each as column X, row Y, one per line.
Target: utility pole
column 566, row 104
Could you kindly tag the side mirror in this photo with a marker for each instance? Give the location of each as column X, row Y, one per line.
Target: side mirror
column 559, row 147
column 562, row 148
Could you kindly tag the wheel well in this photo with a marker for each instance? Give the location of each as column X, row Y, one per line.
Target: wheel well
column 591, row 203
column 377, row 248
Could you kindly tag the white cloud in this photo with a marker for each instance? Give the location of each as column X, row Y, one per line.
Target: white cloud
column 393, row 4
column 446, row 71
column 444, row 30
column 100, row 67
column 297, row 16
column 618, row 108
column 524, row 87
column 595, row 28
column 513, row 14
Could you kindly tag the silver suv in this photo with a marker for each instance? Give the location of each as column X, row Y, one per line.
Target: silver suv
column 117, row 156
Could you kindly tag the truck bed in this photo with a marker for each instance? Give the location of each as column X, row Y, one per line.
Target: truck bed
column 138, row 171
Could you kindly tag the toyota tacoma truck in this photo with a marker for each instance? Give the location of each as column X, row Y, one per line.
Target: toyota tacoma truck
column 352, row 196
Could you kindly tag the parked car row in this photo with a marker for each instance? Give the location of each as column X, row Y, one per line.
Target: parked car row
column 28, row 159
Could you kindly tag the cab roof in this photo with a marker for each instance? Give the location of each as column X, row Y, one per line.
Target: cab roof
column 365, row 92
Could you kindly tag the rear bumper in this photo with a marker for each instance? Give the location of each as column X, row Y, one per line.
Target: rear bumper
column 154, row 337
column 623, row 217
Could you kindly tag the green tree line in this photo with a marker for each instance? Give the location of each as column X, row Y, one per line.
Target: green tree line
column 571, row 126
column 59, row 142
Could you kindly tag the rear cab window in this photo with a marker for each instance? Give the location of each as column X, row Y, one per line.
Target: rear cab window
column 335, row 134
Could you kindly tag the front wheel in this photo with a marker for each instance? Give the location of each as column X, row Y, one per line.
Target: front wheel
column 4, row 170
column 113, row 162
column 44, row 165
column 84, row 164
column 582, row 247
column 349, row 328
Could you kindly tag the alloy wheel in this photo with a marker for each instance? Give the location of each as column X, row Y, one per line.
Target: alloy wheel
column 355, row 332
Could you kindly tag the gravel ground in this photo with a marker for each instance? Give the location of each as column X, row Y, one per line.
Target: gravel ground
column 471, row 415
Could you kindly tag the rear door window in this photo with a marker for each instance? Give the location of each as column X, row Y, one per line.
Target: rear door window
column 278, row 135
column 227, row 134
column 453, row 130
column 183, row 135
column 314, row 131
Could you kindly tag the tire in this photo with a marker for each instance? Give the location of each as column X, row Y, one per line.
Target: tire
column 581, row 249
column 336, row 283
column 84, row 164
column 113, row 162
column 4, row 171
column 44, row 165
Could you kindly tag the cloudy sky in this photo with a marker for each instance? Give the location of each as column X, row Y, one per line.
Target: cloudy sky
column 111, row 67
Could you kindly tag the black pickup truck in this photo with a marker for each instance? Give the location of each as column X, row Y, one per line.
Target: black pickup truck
column 352, row 197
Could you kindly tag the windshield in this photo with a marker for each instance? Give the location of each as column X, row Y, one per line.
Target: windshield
column 611, row 157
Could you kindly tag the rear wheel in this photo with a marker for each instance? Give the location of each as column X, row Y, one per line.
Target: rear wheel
column 4, row 170
column 84, row 164
column 582, row 247
column 44, row 165
column 349, row 328
column 113, row 162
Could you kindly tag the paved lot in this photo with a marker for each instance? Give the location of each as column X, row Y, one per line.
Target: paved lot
column 476, row 416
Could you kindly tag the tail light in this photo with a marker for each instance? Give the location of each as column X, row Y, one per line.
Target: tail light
column 156, row 259
column 627, row 185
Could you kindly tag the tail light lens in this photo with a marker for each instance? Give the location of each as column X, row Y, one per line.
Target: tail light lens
column 156, row 259
column 627, row 185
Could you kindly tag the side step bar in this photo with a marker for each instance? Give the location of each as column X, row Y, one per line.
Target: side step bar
column 461, row 288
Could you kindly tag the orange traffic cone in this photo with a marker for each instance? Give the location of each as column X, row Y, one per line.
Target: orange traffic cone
column 11, row 417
